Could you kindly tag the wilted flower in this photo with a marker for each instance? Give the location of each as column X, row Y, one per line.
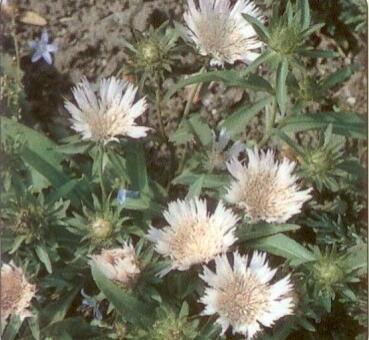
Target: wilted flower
column 219, row 156
column 119, row 264
column 243, row 296
column 219, row 30
column 42, row 49
column 109, row 114
column 16, row 292
column 192, row 235
column 266, row 189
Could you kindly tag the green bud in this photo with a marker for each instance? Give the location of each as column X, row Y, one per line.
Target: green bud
column 284, row 39
column 328, row 271
column 149, row 52
column 101, row 229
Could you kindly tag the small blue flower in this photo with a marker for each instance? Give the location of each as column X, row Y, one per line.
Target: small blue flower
column 89, row 302
column 123, row 194
column 42, row 49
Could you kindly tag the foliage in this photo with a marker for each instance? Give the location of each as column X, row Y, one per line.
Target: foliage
column 65, row 200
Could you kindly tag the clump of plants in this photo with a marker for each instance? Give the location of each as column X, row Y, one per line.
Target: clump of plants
column 254, row 228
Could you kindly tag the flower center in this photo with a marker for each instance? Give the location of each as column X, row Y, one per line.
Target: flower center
column 11, row 290
column 243, row 299
column 194, row 243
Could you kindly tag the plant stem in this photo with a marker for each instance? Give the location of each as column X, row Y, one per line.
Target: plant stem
column 158, row 100
column 101, row 173
column 185, row 113
column 16, row 46
column 269, row 123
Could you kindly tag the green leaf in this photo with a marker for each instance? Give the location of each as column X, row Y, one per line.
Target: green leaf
column 195, row 188
column 312, row 29
column 344, row 123
column 56, row 311
column 258, row 26
column 44, row 257
column 76, row 328
column 282, row 245
column 210, row 180
column 262, row 58
column 131, row 309
column 12, row 328
column 357, row 258
column 195, row 126
column 238, row 120
column 281, row 86
column 252, row 232
column 313, row 53
column 136, row 167
column 337, row 77
column 229, row 77
column 305, row 14
column 34, row 327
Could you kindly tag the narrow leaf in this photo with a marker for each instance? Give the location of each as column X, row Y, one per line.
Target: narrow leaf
column 305, row 14
column 44, row 257
column 131, row 309
column 195, row 188
column 282, row 245
column 344, row 123
column 281, row 86
column 238, row 120
column 252, row 232
column 258, row 26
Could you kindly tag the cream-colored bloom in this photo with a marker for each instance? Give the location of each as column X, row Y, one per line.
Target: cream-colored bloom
column 119, row 264
column 243, row 296
column 193, row 236
column 266, row 189
column 109, row 114
column 219, row 30
column 16, row 292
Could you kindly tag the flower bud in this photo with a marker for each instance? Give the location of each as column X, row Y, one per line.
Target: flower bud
column 101, row 229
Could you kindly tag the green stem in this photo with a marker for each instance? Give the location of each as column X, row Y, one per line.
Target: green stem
column 101, row 173
column 269, row 124
column 16, row 46
column 158, row 100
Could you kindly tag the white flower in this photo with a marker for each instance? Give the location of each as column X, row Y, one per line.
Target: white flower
column 193, row 236
column 266, row 189
column 243, row 296
column 219, row 156
column 42, row 49
column 119, row 264
column 16, row 292
column 109, row 114
column 219, row 30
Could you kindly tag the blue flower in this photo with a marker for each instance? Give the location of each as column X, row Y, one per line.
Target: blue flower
column 42, row 49
column 89, row 302
column 123, row 194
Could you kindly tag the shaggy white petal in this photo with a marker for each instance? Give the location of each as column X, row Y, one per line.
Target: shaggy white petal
column 108, row 114
column 119, row 264
column 218, row 29
column 266, row 189
column 193, row 236
column 16, row 292
column 241, row 295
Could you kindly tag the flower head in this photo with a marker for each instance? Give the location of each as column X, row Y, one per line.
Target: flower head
column 219, row 30
column 243, row 296
column 16, row 292
column 266, row 189
column 219, row 155
column 42, row 48
column 119, row 264
column 109, row 114
column 193, row 236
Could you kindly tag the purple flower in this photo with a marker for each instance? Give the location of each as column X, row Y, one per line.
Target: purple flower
column 42, row 49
